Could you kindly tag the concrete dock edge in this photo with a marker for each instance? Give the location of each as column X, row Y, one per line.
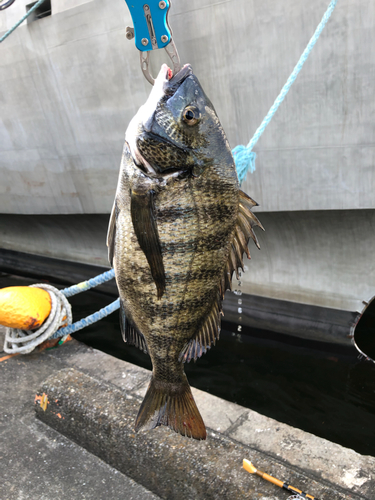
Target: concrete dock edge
column 95, row 403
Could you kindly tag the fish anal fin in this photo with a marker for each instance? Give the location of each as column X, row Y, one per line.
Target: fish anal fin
column 146, row 230
column 206, row 336
column 130, row 333
column 172, row 405
column 246, row 220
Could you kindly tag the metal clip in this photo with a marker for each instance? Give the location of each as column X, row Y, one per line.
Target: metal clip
column 152, row 31
column 173, row 54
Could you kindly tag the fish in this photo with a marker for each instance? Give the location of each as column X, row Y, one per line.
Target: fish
column 178, row 231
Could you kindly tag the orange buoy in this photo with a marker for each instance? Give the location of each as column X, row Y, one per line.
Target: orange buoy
column 24, row 307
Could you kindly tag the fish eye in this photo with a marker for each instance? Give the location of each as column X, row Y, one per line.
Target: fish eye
column 191, row 115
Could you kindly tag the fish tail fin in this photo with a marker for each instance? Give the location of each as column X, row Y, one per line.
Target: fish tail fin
column 173, row 405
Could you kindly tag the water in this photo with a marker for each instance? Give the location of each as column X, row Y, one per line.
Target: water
column 323, row 389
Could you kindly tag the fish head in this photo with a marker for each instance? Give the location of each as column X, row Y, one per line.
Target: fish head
column 177, row 130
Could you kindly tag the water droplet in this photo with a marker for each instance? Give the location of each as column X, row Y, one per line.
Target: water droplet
column 238, row 291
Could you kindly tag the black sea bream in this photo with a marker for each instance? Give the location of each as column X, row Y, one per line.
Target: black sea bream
column 178, row 230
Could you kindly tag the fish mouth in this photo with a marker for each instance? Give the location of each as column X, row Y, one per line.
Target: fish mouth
column 177, row 79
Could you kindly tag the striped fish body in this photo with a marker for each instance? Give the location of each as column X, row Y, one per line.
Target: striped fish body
column 175, row 238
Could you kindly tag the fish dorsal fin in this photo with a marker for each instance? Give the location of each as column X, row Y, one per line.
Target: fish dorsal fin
column 246, row 220
column 130, row 333
column 209, row 333
column 206, row 336
column 146, row 230
column 111, row 234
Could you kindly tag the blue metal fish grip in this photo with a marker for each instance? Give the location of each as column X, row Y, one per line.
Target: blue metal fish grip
column 152, row 31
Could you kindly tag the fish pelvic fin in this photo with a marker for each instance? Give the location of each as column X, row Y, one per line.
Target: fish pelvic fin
column 172, row 405
column 206, row 336
column 246, row 220
column 146, row 230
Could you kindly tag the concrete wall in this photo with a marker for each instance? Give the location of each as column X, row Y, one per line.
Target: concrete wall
column 71, row 82
column 320, row 258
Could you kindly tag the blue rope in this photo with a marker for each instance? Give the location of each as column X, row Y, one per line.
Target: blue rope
column 21, row 20
column 243, row 155
column 93, row 318
column 86, row 285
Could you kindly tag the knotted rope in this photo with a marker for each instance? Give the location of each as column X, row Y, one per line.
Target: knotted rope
column 25, row 341
column 59, row 322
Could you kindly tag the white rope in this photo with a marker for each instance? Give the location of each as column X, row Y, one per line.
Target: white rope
column 25, row 341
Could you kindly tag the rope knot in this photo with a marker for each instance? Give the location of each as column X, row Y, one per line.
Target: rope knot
column 244, row 159
column 25, row 341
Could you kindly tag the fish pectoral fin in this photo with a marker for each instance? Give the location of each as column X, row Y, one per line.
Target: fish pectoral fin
column 111, row 234
column 130, row 333
column 173, row 405
column 206, row 336
column 146, row 230
column 246, row 220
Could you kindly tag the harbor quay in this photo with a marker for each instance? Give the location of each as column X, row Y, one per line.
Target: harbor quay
column 68, row 431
